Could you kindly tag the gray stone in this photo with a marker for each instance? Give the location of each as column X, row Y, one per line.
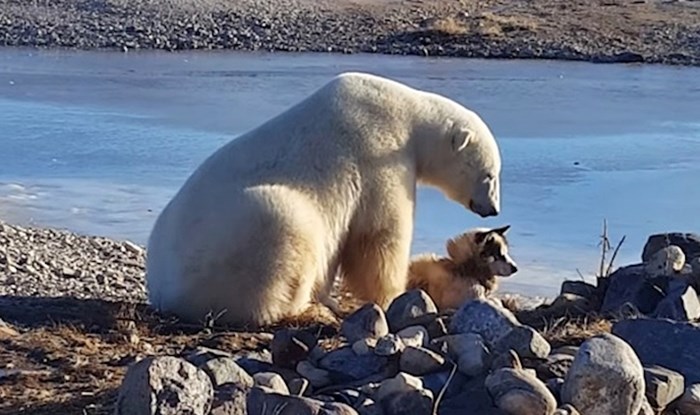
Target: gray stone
column 688, row 242
column 255, row 362
column 164, row 385
column 469, row 351
column 289, row 347
column 646, row 408
column 566, row 410
column 630, row 285
column 681, row 303
column 554, row 385
column 416, row 402
column 272, row 381
column 201, row 355
column 667, row 261
column 525, row 341
column 665, row 343
column 369, row 321
column 388, row 345
column 580, row 288
column 223, row 370
column 416, row 336
column 367, row 406
column 414, row 307
column 364, row 346
column 517, row 392
column 436, row 382
column 299, row 386
column 473, row 399
column 345, row 365
column 663, row 386
column 317, row 377
column 230, row 399
column 420, row 361
column 605, row 363
column 437, row 327
column 266, row 402
column 484, row 318
column 689, row 402
column 556, row 365
column 400, row 384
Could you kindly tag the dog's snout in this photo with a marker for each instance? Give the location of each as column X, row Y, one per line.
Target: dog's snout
column 513, row 268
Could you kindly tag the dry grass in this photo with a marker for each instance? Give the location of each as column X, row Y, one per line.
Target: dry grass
column 574, row 331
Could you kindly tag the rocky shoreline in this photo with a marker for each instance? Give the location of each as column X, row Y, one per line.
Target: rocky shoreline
column 648, row 31
column 77, row 337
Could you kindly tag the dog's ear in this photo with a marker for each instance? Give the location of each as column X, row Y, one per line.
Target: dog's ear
column 502, row 230
column 461, row 138
column 480, row 237
column 452, row 248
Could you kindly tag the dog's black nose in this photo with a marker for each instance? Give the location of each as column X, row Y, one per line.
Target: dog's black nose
column 514, row 268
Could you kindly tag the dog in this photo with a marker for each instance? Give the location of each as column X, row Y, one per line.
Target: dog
column 475, row 258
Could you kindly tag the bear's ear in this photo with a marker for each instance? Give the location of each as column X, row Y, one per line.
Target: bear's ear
column 461, row 138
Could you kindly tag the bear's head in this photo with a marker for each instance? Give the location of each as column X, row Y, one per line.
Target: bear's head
column 466, row 164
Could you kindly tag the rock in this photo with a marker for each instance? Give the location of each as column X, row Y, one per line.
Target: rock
column 665, row 343
column 201, row 355
column 688, row 242
column 317, row 377
column 401, row 383
column 223, row 370
column 420, row 361
column 605, row 363
column 580, row 288
column 566, row 410
column 414, row 307
column 416, row 402
column 273, row 381
column 663, row 386
column 264, row 402
column 485, row 319
column 525, row 341
column 388, row 345
column 689, row 402
column 364, row 346
column 469, row 351
column 556, row 365
column 298, row 386
column 436, row 381
column 230, row 399
column 164, row 385
column 416, row 336
column 646, row 408
column 517, row 392
column 473, row 399
column 554, row 385
column 665, row 262
column 630, row 285
column 345, row 365
column 368, row 321
column 438, row 327
column 681, row 303
column 255, row 362
column 289, row 347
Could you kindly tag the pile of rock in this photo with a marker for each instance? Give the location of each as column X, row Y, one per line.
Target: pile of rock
column 482, row 359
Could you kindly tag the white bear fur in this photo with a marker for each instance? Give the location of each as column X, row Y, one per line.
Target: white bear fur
column 262, row 227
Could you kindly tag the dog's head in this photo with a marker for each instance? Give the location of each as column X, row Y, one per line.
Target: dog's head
column 490, row 245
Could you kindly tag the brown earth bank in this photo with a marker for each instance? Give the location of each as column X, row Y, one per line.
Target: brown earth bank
column 649, row 31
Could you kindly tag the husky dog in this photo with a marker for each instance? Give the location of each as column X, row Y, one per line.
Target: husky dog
column 475, row 258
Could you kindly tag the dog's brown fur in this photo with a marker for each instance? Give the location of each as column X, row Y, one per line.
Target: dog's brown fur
column 475, row 258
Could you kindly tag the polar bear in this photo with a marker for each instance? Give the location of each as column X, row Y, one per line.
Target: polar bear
column 264, row 224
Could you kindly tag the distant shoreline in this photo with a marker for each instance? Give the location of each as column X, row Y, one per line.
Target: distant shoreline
column 642, row 31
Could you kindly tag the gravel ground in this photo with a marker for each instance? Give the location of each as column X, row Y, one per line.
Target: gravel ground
column 50, row 263
column 651, row 31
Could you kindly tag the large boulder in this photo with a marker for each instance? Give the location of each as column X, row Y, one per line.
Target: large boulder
column 662, row 342
column 605, row 378
column 688, row 242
